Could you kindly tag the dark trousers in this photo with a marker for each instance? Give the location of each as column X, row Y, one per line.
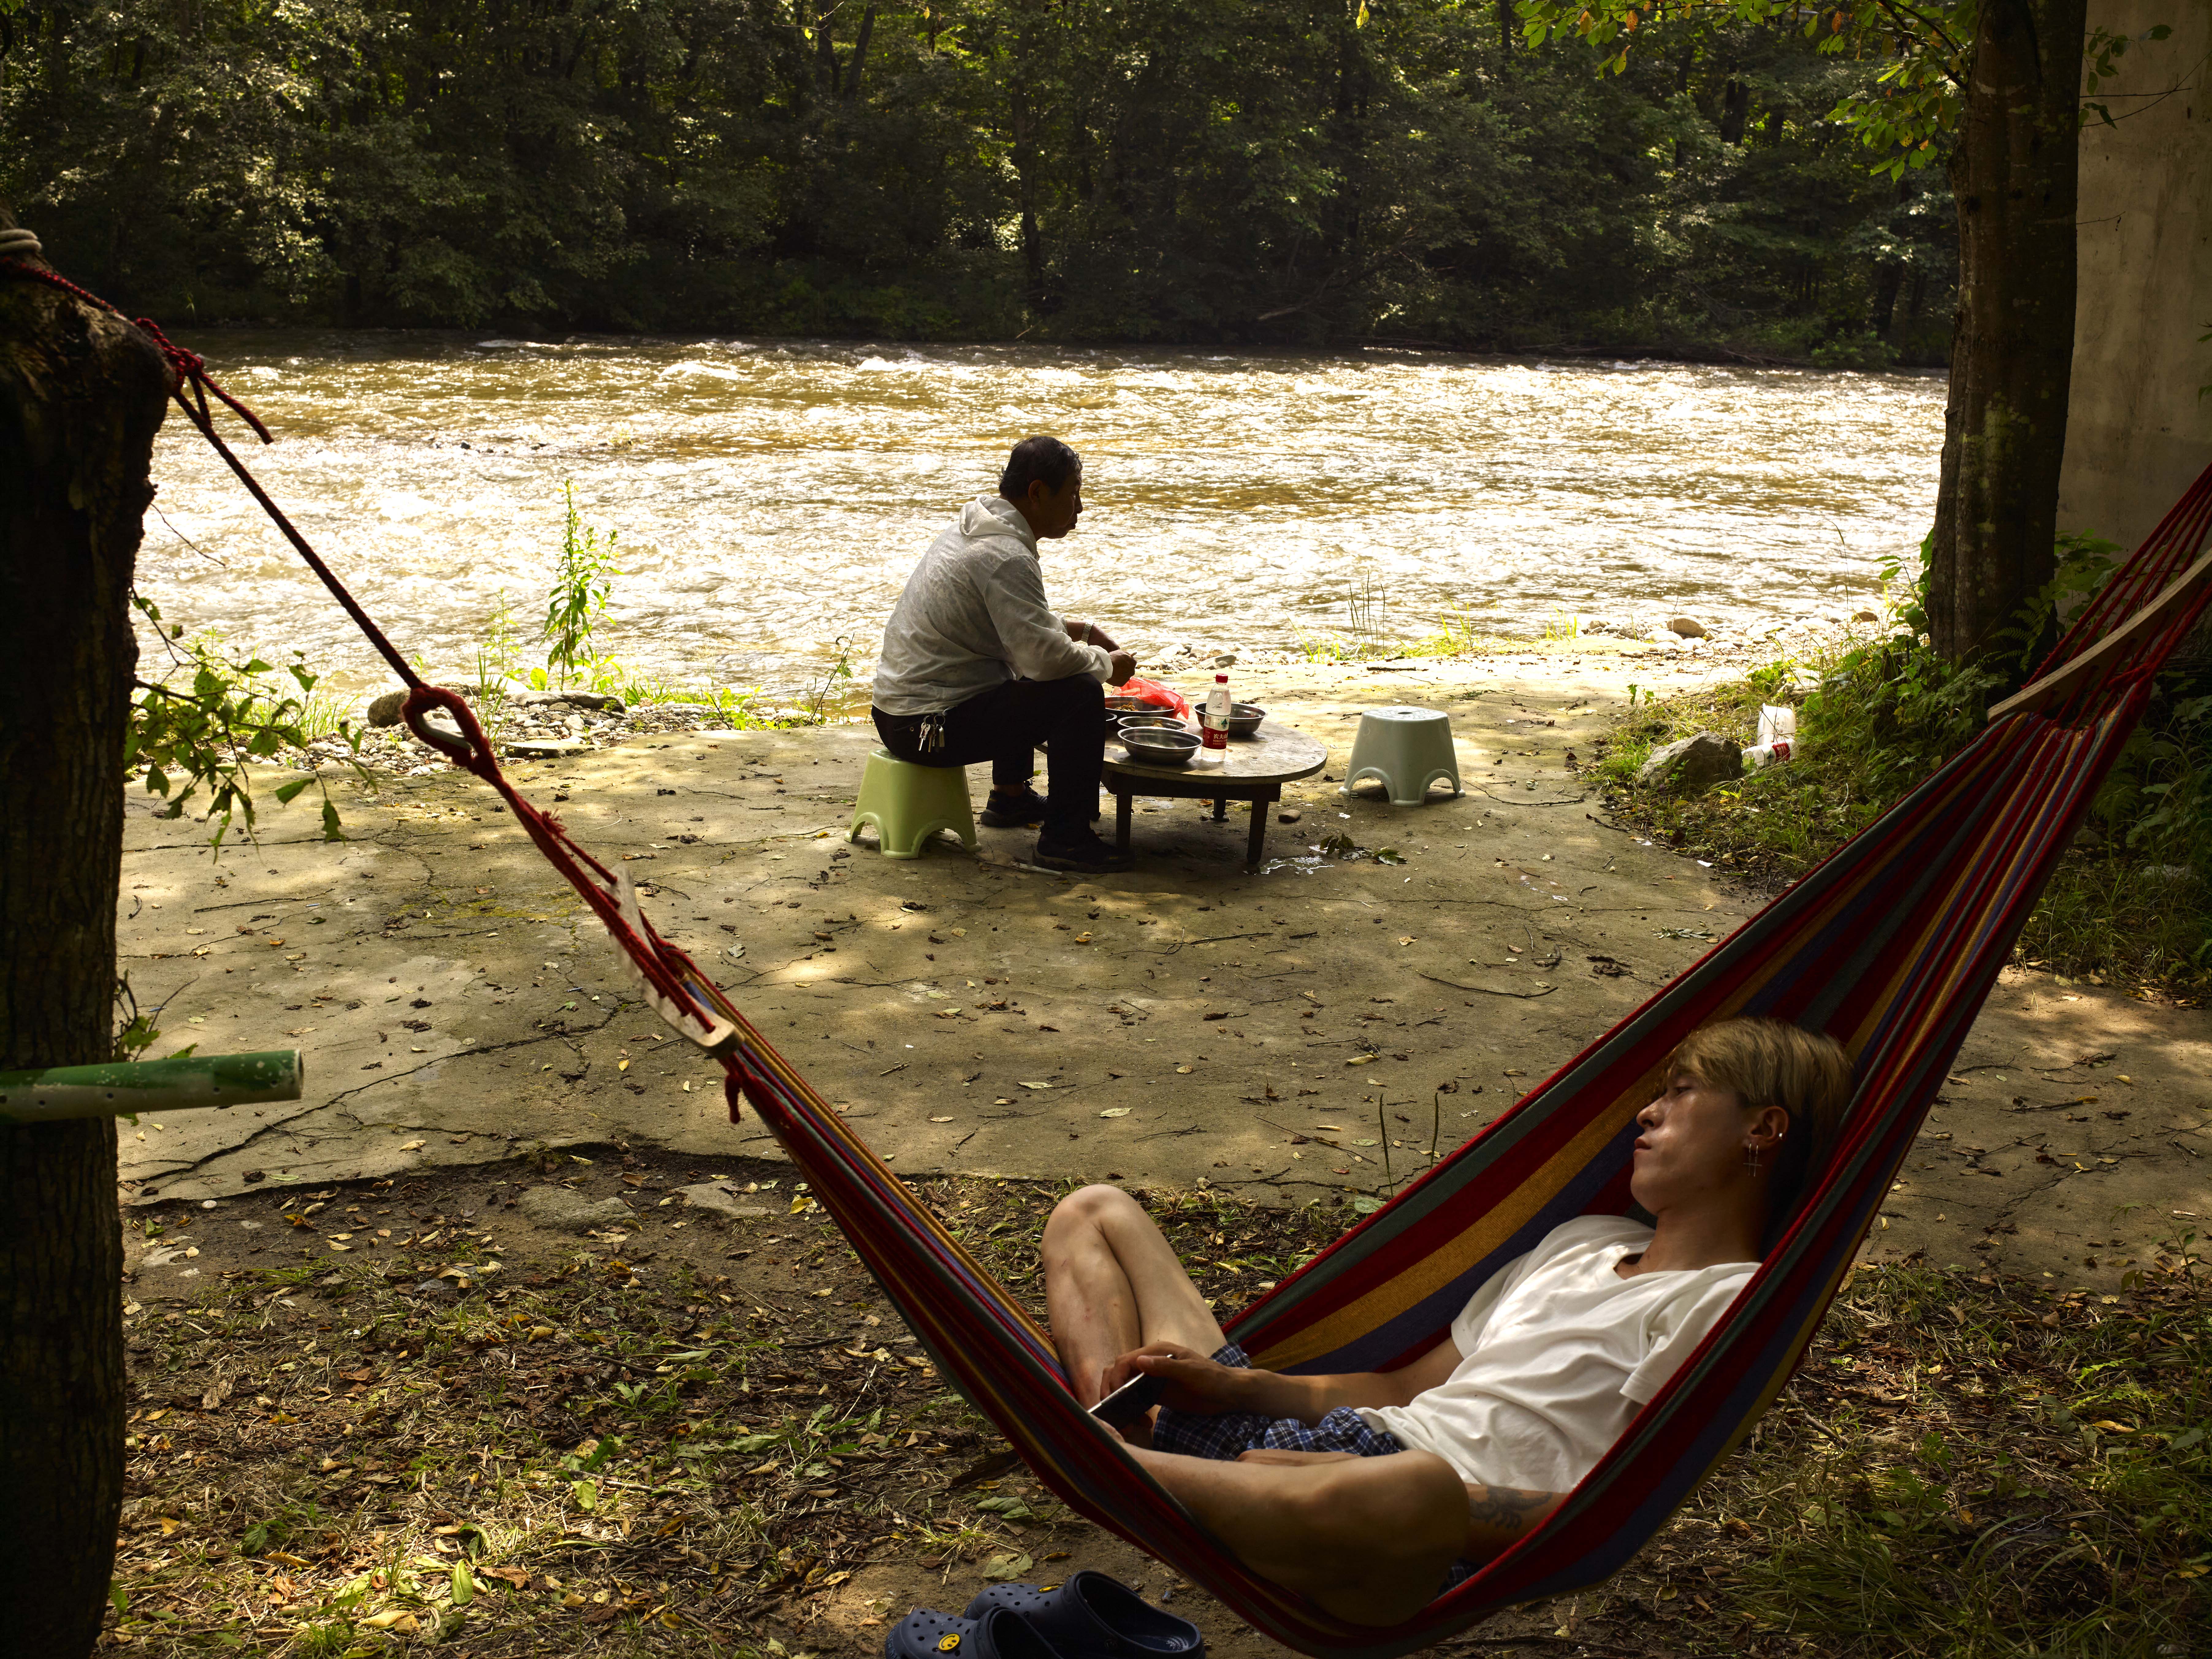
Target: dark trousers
column 1004, row 727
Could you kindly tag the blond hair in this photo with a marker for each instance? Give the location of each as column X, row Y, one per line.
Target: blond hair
column 1770, row 1062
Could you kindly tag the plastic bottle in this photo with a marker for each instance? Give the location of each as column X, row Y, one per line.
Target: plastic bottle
column 1213, row 724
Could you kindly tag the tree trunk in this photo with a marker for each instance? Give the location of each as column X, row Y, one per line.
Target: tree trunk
column 858, row 64
column 82, row 395
column 1024, row 117
column 2012, row 354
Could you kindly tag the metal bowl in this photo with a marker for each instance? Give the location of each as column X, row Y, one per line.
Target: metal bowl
column 1158, row 718
column 1154, row 745
column 1129, row 706
column 1245, row 719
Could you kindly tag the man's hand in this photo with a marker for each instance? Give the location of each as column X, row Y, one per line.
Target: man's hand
column 1122, row 670
column 1194, row 1382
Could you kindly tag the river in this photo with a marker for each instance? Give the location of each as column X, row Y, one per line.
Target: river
column 770, row 497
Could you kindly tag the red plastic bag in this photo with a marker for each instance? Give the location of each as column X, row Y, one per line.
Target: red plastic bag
column 1152, row 691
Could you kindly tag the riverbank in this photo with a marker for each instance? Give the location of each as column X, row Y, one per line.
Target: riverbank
column 482, row 1087
column 456, row 1005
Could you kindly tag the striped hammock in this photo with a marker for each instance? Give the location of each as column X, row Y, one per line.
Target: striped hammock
column 1890, row 946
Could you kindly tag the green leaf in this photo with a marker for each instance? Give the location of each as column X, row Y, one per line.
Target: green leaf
column 290, row 791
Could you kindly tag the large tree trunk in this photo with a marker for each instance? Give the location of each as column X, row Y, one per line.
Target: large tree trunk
column 2012, row 355
column 82, row 395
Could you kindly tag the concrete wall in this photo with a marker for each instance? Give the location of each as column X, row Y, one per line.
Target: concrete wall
column 2137, row 433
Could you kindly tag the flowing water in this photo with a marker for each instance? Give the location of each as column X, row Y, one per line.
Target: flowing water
column 771, row 498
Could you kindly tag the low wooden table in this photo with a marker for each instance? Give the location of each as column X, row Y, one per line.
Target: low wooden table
column 1252, row 768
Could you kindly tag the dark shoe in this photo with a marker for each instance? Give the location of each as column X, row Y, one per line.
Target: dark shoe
column 1087, row 855
column 1012, row 811
column 1094, row 1617
column 994, row 1633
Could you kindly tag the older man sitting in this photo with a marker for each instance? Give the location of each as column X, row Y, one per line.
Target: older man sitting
column 976, row 666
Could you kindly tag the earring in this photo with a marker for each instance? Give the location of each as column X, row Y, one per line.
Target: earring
column 1751, row 1158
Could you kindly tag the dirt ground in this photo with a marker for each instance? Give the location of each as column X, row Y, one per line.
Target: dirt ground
column 1391, row 980
column 382, row 1416
column 359, row 1324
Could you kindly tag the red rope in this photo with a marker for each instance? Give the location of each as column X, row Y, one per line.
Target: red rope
column 664, row 966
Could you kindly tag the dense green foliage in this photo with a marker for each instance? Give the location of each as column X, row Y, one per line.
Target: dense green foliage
column 2129, row 898
column 1246, row 171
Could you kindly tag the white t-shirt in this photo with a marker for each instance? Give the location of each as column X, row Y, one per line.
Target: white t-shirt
column 1560, row 1351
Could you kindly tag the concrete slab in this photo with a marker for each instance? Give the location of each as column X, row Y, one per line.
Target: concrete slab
column 1182, row 1023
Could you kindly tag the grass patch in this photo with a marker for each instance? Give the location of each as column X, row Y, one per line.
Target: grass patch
column 669, row 1439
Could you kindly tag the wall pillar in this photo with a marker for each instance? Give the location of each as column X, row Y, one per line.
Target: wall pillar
column 2137, row 433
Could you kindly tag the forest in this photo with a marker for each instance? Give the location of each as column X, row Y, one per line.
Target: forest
column 1252, row 173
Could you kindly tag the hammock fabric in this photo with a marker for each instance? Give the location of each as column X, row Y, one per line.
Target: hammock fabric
column 1890, row 946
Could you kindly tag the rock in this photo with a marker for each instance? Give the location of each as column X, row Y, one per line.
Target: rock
column 546, row 748
column 1865, row 616
column 385, row 711
column 1693, row 765
column 717, row 1196
column 564, row 1211
column 1688, row 627
column 1288, row 817
column 603, row 700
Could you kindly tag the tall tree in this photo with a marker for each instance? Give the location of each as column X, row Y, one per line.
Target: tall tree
column 82, row 395
column 1993, row 87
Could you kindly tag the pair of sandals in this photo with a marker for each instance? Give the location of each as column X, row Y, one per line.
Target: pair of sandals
column 1090, row 1616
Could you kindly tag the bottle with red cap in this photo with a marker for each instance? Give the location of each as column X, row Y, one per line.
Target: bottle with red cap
column 1213, row 723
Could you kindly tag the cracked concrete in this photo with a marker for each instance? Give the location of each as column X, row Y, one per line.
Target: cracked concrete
column 1181, row 1023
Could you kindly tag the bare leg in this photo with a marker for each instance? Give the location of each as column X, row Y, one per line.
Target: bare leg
column 1368, row 1538
column 1112, row 1284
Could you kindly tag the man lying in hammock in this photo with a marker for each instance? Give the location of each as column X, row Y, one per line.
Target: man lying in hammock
column 1541, row 1372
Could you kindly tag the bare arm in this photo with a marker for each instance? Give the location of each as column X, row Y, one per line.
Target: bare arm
column 1499, row 1517
column 1197, row 1383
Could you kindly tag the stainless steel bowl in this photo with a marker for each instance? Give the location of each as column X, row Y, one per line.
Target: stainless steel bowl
column 1159, row 720
column 1245, row 719
column 1154, row 745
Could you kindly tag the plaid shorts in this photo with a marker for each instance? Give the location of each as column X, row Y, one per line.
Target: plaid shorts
column 1223, row 1435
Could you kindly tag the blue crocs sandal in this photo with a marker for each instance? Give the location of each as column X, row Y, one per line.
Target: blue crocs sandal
column 1092, row 1616
column 993, row 1633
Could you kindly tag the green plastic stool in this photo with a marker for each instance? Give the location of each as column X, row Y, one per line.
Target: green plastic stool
column 909, row 804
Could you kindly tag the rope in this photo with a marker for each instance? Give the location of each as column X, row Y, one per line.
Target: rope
column 666, row 970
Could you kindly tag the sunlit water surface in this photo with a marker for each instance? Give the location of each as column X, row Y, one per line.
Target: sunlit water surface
column 771, row 497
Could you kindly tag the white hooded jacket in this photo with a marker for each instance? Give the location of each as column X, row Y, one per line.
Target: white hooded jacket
column 974, row 616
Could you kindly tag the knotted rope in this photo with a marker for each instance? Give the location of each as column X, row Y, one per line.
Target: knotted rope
column 670, row 976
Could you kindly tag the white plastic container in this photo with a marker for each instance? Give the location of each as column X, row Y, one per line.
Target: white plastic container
column 1778, row 734
column 1213, row 723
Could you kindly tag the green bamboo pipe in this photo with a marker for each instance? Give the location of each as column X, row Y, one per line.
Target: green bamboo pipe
column 130, row 1087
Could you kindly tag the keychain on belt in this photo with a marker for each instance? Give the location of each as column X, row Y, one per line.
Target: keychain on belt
column 930, row 734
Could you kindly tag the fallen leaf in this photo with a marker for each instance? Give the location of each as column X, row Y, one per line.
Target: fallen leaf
column 940, row 1120
column 1083, row 939
column 1182, row 1071
column 400, row 1623
column 412, row 1146
column 1117, row 1111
